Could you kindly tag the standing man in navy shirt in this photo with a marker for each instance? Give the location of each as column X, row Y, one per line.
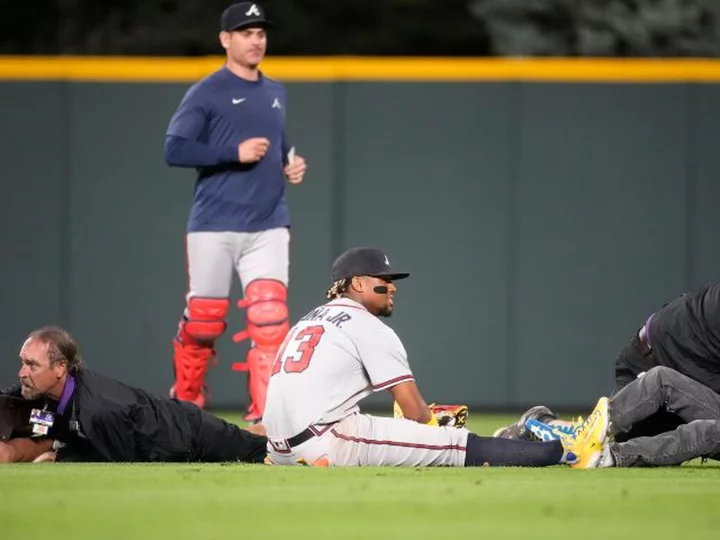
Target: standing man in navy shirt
column 230, row 126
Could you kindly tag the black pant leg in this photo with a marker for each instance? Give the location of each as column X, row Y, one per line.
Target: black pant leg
column 219, row 441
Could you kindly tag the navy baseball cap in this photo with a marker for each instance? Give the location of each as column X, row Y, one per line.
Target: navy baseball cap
column 364, row 261
column 243, row 15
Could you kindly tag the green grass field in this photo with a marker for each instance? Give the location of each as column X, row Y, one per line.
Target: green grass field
column 253, row 502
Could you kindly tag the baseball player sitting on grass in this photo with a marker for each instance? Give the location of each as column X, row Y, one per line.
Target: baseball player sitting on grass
column 341, row 352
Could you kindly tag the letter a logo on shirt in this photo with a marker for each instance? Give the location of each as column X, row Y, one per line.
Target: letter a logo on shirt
column 253, row 11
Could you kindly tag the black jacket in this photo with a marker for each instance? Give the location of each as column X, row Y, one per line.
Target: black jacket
column 684, row 335
column 107, row 420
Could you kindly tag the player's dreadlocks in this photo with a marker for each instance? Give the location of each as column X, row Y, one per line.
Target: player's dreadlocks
column 337, row 289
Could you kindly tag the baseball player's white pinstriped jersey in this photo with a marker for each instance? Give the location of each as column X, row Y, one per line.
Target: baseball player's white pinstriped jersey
column 335, row 356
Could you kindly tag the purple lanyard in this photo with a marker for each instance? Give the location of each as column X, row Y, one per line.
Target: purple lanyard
column 67, row 394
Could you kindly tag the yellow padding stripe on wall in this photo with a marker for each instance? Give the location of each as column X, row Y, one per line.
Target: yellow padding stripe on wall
column 329, row 69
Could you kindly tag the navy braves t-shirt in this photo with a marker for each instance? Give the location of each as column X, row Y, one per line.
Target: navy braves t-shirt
column 214, row 117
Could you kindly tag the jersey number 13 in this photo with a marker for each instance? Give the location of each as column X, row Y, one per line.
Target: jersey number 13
column 296, row 352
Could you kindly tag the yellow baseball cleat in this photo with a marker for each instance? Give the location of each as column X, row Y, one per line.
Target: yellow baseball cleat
column 585, row 447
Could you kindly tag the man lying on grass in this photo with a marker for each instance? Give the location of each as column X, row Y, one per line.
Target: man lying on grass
column 84, row 416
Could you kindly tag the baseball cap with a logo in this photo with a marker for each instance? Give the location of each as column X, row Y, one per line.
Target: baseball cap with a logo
column 243, row 15
column 364, row 261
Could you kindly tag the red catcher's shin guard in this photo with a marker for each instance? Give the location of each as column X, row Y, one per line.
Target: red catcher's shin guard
column 193, row 346
column 259, row 364
column 191, row 364
column 267, row 325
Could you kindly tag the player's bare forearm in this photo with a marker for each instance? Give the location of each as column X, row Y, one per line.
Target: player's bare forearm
column 23, row 450
column 411, row 402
